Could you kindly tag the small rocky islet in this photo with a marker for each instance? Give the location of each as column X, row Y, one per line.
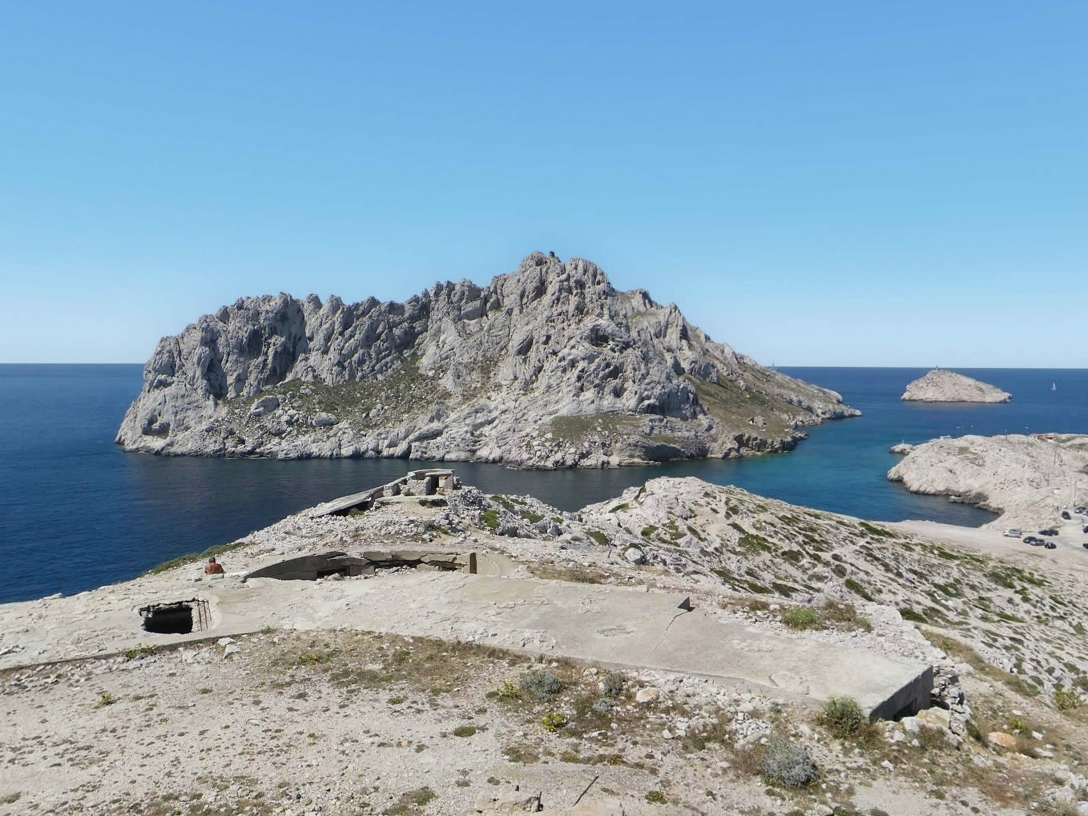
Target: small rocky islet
column 546, row 367
column 940, row 385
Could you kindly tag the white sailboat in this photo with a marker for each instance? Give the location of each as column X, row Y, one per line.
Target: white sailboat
column 1053, row 386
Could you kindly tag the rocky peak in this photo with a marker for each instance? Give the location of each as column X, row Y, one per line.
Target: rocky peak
column 545, row 366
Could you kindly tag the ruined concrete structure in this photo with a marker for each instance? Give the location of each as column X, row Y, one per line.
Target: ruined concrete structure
column 326, row 565
column 427, row 487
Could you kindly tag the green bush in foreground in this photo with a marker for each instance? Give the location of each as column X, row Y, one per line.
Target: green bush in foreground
column 553, row 721
column 507, row 691
column 801, row 617
column 1067, row 700
column 843, row 717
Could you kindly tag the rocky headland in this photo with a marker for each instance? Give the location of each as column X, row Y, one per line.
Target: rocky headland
column 1027, row 479
column 548, row 367
column 948, row 386
column 391, row 692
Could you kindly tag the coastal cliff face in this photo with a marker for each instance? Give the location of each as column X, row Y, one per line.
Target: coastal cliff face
column 948, row 386
column 549, row 366
column 1028, row 479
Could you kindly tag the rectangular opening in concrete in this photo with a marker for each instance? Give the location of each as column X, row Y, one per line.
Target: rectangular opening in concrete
column 168, row 619
column 176, row 617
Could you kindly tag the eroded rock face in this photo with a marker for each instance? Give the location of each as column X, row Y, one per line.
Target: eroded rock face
column 545, row 367
column 1026, row 478
column 948, row 386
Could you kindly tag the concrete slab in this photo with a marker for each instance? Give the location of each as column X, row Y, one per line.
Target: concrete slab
column 610, row 625
column 613, row 626
column 624, row 627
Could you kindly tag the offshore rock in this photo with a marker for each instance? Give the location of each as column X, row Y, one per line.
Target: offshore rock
column 948, row 386
column 547, row 367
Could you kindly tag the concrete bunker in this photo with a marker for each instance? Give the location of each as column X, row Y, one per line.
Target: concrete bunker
column 428, row 488
column 335, row 562
column 176, row 617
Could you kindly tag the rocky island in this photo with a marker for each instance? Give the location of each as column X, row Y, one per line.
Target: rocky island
column 547, row 367
column 1028, row 479
column 424, row 648
column 948, row 386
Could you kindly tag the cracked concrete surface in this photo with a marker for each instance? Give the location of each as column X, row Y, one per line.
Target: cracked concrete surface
column 615, row 626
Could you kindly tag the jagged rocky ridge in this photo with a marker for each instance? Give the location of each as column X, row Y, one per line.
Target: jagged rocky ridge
column 547, row 367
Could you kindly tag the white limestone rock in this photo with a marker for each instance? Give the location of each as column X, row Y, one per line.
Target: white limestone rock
column 948, row 386
column 1013, row 474
column 549, row 366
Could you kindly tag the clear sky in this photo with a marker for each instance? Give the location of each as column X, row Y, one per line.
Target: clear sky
column 816, row 183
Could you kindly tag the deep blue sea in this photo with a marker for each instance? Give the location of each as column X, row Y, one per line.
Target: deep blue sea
column 76, row 512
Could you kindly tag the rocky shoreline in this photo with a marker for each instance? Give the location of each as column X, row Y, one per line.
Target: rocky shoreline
column 548, row 367
column 1027, row 479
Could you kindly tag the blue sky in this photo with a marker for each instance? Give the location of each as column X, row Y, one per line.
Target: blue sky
column 839, row 183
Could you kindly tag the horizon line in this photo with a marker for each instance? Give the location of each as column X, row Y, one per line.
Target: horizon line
column 771, row 366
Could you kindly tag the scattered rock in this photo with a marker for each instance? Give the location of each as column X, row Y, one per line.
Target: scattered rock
column 999, row 739
column 265, row 405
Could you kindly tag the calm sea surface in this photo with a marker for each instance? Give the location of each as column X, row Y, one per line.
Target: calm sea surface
column 76, row 512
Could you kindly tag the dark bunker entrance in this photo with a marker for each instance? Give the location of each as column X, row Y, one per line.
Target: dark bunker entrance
column 176, row 618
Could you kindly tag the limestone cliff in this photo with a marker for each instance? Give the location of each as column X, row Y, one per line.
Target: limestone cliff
column 1029, row 479
column 549, row 366
column 948, row 386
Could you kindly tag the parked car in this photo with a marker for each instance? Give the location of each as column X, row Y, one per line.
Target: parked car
column 1050, row 545
column 1081, row 510
column 1049, row 532
column 1066, row 516
column 1085, row 545
column 1012, row 532
column 1033, row 541
column 1085, row 530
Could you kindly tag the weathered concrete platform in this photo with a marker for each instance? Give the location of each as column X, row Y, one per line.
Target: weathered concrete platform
column 614, row 626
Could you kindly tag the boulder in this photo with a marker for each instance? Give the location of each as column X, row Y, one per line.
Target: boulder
column 999, row 739
column 265, row 405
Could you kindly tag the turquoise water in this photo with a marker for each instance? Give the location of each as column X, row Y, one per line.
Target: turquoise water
column 77, row 512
